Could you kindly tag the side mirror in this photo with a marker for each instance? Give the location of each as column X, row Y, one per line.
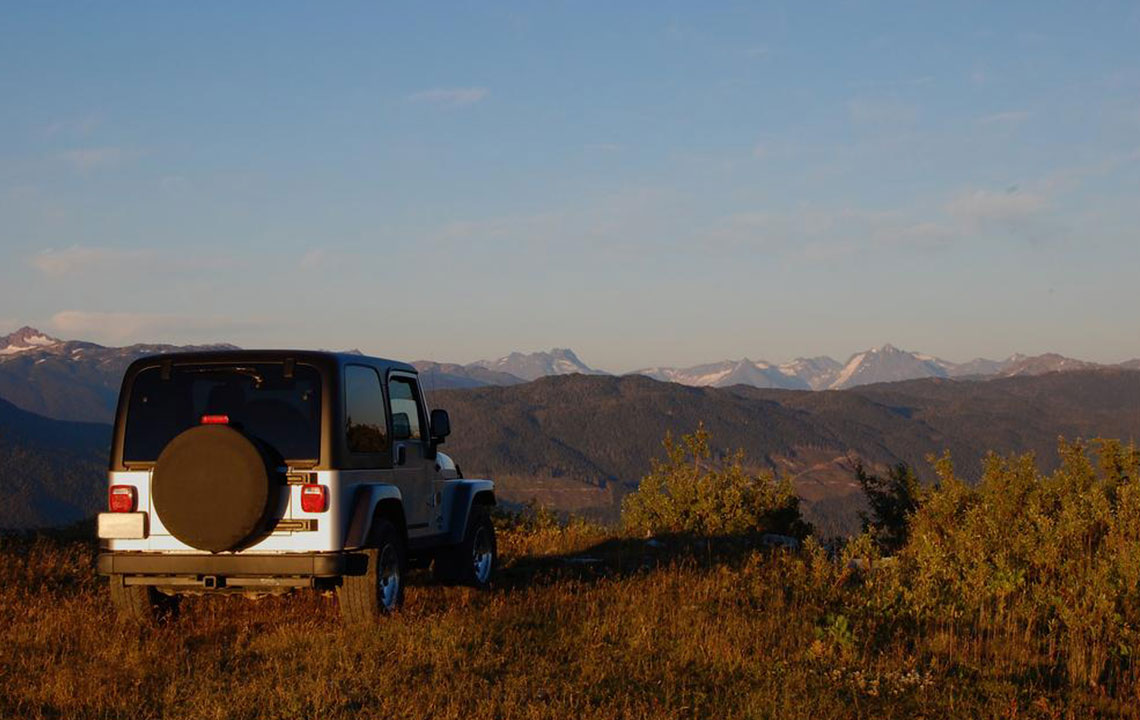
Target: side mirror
column 440, row 425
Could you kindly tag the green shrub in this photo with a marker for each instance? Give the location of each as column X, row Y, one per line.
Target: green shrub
column 893, row 500
column 1054, row 559
column 692, row 492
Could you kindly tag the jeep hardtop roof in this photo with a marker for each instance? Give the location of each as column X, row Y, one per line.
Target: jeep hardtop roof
column 320, row 358
column 328, row 364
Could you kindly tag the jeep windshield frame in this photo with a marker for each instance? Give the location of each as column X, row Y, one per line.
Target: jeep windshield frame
column 279, row 402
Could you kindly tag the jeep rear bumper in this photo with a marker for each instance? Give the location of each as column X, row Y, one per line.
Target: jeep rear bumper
column 306, row 565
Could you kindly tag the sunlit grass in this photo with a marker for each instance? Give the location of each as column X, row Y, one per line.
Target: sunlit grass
column 745, row 636
column 1016, row 598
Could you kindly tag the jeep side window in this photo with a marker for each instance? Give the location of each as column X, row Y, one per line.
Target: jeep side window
column 364, row 424
column 403, row 396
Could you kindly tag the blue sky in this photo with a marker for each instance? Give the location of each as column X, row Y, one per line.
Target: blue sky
column 648, row 183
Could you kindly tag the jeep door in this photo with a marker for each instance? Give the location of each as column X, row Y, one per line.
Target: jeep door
column 414, row 471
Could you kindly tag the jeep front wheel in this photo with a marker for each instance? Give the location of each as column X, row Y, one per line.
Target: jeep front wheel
column 380, row 590
column 473, row 561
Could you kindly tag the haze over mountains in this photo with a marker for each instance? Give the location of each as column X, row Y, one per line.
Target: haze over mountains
column 549, row 426
column 508, row 370
column 76, row 380
column 68, row 379
column 53, row 472
column 579, row 443
column 877, row 365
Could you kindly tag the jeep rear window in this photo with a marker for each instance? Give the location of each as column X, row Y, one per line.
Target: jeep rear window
column 256, row 398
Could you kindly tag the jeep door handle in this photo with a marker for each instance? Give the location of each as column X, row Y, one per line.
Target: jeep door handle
column 401, row 454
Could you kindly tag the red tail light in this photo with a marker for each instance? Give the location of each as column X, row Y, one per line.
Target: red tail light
column 314, row 498
column 122, row 498
column 215, row 419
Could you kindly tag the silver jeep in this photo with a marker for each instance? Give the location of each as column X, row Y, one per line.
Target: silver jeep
column 264, row 471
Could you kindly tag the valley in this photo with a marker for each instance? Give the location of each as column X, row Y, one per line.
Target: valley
column 579, row 442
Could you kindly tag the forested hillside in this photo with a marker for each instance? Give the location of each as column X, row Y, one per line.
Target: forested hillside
column 52, row 472
column 579, row 443
column 598, row 434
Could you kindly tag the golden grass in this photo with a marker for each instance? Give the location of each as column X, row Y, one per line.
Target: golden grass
column 675, row 633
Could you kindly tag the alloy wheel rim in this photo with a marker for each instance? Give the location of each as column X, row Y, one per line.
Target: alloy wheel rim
column 389, row 577
column 482, row 555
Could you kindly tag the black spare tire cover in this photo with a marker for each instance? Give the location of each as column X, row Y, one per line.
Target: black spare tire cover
column 213, row 487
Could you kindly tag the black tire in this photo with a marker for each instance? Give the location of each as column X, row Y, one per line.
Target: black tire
column 141, row 604
column 473, row 561
column 365, row 598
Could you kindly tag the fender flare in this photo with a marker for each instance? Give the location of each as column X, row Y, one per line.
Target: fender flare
column 364, row 503
column 467, row 493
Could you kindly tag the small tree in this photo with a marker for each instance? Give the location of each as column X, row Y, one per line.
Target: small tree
column 893, row 501
column 691, row 492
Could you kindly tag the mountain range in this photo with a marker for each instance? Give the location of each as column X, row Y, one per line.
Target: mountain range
column 508, row 370
column 877, row 365
column 75, row 380
column 580, row 443
column 886, row 363
column 69, row 379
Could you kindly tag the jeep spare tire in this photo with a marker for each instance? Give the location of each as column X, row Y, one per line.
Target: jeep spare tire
column 213, row 488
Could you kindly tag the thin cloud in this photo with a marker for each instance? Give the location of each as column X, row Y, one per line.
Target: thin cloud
column 986, row 207
column 880, row 85
column 604, row 147
column 1009, row 117
column 607, row 224
column 1014, row 213
column 450, row 97
column 520, row 230
column 826, row 233
column 120, row 327
column 313, row 259
column 79, row 259
column 93, row 158
column 1068, row 178
column 87, row 261
column 882, row 112
column 76, row 127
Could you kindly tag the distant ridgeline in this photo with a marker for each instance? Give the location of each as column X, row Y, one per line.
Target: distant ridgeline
column 602, row 432
column 75, row 380
column 579, row 442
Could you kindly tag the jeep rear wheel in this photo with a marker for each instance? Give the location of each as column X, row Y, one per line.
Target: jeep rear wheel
column 141, row 604
column 473, row 561
column 380, row 590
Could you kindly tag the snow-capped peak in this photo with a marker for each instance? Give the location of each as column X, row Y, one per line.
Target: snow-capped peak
column 24, row 339
column 888, row 363
column 531, row 366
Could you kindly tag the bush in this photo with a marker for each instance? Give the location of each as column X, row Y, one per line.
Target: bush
column 893, row 500
column 1053, row 559
column 691, row 492
column 1017, row 597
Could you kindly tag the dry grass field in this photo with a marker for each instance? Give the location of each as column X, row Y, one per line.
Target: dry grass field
column 1018, row 597
column 643, row 634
